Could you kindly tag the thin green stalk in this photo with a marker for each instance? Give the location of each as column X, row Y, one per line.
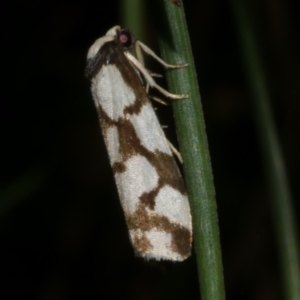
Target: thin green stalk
column 132, row 13
column 189, row 119
column 284, row 219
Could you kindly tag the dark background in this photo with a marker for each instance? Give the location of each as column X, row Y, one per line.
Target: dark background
column 62, row 231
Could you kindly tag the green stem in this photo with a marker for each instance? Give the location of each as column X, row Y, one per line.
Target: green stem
column 190, row 125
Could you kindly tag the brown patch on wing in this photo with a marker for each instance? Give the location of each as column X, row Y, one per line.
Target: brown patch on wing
column 148, row 198
column 135, row 108
column 118, row 167
column 181, row 241
column 142, row 244
column 145, row 221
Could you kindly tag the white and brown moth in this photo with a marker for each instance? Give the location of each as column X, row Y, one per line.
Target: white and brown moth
column 150, row 186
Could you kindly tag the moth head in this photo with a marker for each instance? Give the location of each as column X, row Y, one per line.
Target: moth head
column 126, row 39
column 115, row 39
column 122, row 36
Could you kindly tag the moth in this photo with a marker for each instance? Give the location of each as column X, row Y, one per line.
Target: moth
column 150, row 186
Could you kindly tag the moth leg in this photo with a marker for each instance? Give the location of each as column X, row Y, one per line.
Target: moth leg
column 140, row 58
column 149, row 79
column 175, row 151
column 152, row 74
column 158, row 100
column 139, row 45
column 139, row 54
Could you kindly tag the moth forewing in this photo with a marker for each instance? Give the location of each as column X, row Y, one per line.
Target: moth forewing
column 151, row 189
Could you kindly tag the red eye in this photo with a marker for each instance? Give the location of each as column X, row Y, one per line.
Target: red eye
column 126, row 38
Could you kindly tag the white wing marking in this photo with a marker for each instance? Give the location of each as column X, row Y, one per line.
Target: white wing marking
column 140, row 177
column 111, row 92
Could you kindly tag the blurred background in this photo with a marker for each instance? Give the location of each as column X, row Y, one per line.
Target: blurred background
column 62, row 231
